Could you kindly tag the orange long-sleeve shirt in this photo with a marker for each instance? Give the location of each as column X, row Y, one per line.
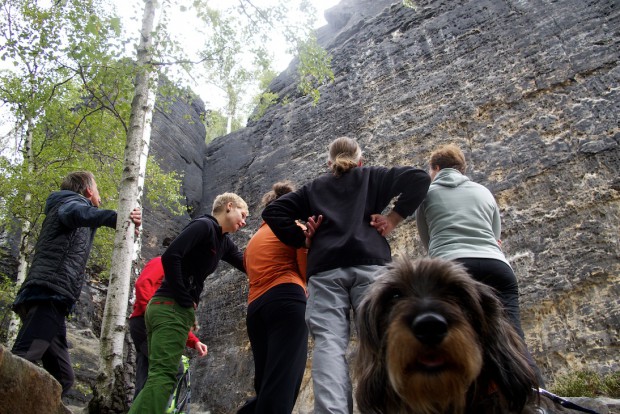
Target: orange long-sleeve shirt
column 269, row 262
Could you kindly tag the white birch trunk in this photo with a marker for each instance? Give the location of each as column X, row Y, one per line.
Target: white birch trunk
column 111, row 368
column 24, row 244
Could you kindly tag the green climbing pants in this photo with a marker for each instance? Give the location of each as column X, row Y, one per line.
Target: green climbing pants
column 167, row 325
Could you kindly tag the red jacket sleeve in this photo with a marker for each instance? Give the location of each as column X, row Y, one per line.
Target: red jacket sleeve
column 192, row 340
column 147, row 283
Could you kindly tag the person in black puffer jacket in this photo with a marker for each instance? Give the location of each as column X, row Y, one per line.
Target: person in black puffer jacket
column 56, row 274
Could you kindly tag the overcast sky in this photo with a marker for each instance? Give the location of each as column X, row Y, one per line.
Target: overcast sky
column 134, row 8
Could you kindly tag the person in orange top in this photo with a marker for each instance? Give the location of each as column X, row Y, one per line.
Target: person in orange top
column 147, row 283
column 275, row 319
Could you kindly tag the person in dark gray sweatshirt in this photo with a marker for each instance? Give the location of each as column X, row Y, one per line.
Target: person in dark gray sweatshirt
column 345, row 254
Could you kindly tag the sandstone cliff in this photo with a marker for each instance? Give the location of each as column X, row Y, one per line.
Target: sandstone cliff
column 178, row 144
column 529, row 89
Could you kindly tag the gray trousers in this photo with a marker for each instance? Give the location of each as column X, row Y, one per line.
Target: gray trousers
column 331, row 295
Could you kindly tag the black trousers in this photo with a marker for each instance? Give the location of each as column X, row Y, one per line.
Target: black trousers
column 137, row 330
column 279, row 338
column 43, row 337
column 500, row 276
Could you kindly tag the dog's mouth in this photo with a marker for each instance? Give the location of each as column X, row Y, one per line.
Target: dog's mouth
column 430, row 361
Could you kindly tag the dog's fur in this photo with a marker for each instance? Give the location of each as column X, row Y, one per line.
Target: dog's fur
column 432, row 340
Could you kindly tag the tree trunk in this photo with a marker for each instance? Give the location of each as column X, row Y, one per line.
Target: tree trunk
column 229, row 124
column 24, row 244
column 111, row 394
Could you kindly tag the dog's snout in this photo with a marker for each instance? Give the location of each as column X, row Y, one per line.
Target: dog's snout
column 430, row 328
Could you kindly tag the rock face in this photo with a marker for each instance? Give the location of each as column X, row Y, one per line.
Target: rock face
column 528, row 89
column 178, row 144
column 26, row 388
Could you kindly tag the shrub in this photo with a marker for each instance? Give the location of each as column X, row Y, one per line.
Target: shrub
column 587, row 384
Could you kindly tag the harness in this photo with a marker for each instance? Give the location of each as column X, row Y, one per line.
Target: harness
column 564, row 403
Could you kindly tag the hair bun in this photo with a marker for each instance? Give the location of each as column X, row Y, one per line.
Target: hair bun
column 277, row 190
column 283, row 187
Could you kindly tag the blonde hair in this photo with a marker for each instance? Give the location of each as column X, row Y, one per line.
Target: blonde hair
column 344, row 154
column 448, row 156
column 277, row 190
column 220, row 202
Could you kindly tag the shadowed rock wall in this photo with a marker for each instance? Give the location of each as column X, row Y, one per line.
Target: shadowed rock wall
column 178, row 144
column 527, row 88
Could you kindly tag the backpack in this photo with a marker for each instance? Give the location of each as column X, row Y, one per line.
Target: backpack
column 178, row 403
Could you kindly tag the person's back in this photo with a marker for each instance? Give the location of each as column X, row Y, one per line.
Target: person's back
column 275, row 316
column 345, row 253
column 347, row 202
column 64, row 244
column 460, row 220
column 462, row 217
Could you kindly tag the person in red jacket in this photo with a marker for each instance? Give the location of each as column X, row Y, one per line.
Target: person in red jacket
column 146, row 285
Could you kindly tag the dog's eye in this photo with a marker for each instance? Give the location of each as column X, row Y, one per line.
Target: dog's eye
column 394, row 294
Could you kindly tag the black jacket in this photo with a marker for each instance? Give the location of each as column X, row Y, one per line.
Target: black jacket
column 346, row 238
column 192, row 256
column 63, row 248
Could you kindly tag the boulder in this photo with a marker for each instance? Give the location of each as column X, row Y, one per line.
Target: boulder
column 27, row 388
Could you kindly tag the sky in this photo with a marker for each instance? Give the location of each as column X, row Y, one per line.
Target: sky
column 213, row 97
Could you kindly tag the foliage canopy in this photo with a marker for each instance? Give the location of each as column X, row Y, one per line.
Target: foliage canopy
column 70, row 98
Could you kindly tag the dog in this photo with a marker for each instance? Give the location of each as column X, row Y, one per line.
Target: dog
column 432, row 340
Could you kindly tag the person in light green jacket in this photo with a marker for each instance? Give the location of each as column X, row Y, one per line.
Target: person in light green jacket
column 459, row 220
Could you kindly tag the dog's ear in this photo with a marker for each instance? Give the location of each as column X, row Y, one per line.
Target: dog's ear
column 368, row 318
column 506, row 362
column 372, row 314
column 369, row 367
column 373, row 393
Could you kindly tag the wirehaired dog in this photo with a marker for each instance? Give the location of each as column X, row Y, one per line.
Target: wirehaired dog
column 432, row 340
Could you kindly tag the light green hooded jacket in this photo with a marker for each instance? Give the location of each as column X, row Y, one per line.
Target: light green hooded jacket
column 459, row 219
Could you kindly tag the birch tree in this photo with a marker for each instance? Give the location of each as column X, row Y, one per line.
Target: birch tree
column 35, row 72
column 110, row 381
column 220, row 35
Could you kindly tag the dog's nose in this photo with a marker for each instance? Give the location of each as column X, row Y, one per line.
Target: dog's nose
column 430, row 328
